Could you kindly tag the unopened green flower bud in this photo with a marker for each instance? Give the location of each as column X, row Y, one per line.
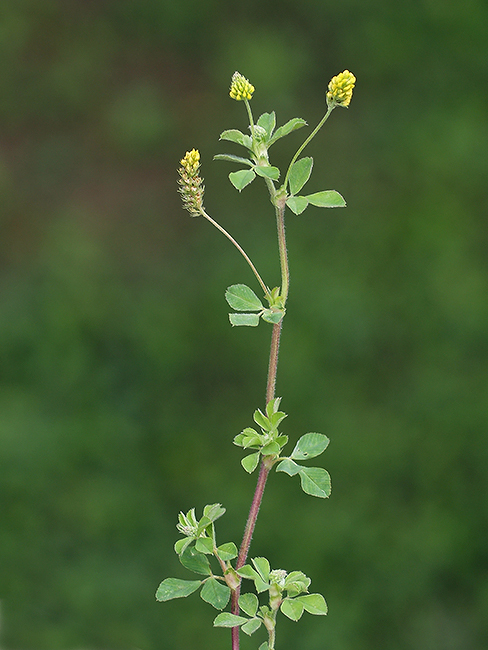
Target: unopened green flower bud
column 278, row 577
column 259, row 134
column 191, row 185
column 187, row 524
column 340, row 89
column 240, row 87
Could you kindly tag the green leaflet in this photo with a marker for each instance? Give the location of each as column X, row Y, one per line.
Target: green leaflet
column 229, row 620
column 242, row 298
column 239, row 320
column 314, row 604
column 262, row 566
column 299, row 174
column 227, row 551
column 213, row 511
column 297, row 204
column 234, row 135
column 215, row 593
column 315, row 481
column 291, row 125
column 250, row 462
column 195, row 561
column 174, row 588
column 242, row 178
column 291, row 608
column 289, row 467
column 251, row 626
column 267, row 172
column 267, row 121
column 309, row 446
column 326, row 199
column 249, row 604
column 231, row 158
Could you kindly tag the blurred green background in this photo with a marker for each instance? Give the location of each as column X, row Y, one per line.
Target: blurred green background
column 122, row 383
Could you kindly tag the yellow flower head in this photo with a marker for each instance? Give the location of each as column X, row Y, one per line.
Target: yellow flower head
column 191, row 161
column 340, row 89
column 240, row 87
column 191, row 185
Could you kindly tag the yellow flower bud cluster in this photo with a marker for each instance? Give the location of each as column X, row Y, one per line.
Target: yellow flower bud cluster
column 240, row 87
column 340, row 89
column 191, row 185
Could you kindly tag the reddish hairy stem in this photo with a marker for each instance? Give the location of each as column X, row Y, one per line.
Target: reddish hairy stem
column 261, row 484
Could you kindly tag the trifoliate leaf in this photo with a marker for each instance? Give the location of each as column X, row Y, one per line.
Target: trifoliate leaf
column 242, row 298
column 326, row 199
column 309, row 446
column 299, row 174
column 174, row 588
column 215, row 593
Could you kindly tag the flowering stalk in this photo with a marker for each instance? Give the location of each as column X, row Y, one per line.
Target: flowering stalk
column 287, row 592
column 192, row 190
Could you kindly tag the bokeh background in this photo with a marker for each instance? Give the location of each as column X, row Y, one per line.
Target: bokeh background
column 122, row 382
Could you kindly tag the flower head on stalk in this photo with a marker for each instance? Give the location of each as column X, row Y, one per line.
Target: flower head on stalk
column 240, row 87
column 340, row 89
column 191, row 185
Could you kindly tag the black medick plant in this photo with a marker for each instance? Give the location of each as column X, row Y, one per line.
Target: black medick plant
column 222, row 568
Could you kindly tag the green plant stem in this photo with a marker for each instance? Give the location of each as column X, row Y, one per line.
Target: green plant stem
column 273, row 361
column 249, row 113
column 241, row 251
column 310, row 137
column 285, row 271
column 272, row 637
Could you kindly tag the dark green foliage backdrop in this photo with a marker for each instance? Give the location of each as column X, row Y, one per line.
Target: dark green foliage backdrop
column 122, row 383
